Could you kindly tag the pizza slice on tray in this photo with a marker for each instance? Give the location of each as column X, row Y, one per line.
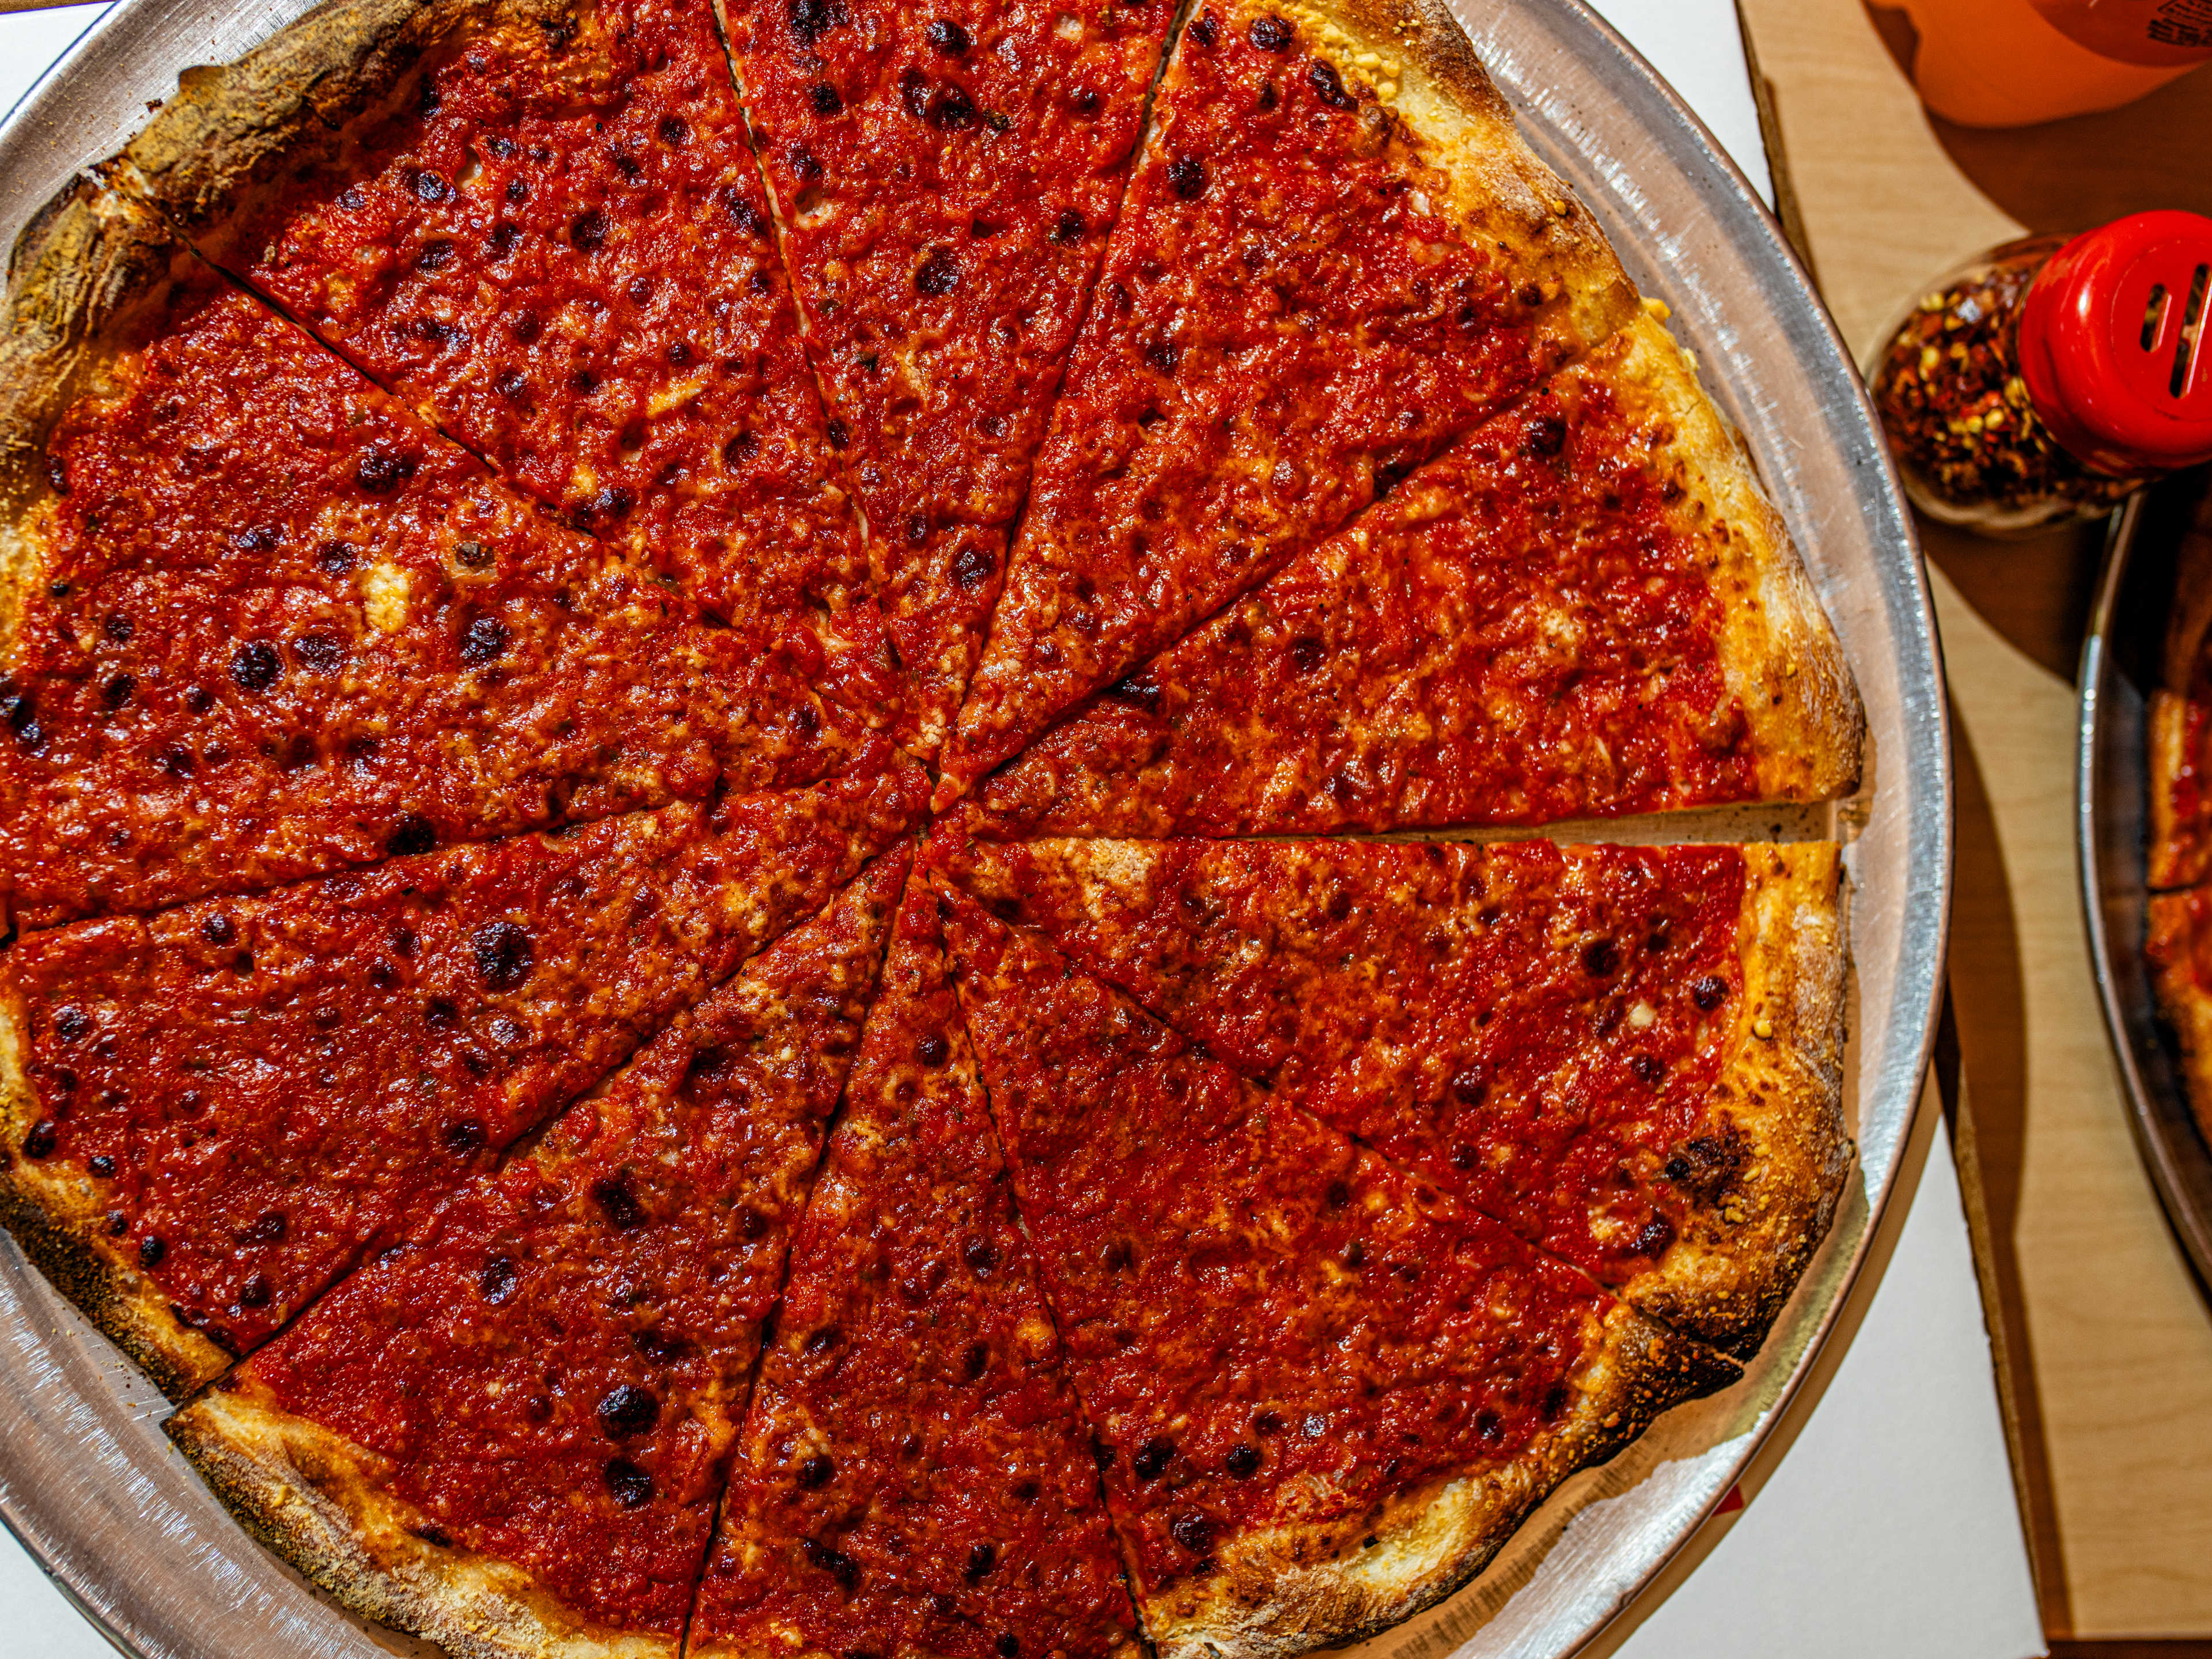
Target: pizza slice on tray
column 541, row 222
column 1585, row 608
column 258, row 622
column 1631, row 1055
column 946, row 177
column 207, row 1113
column 2180, row 843
column 1323, row 1393
column 914, row 1477
column 508, row 1432
column 1335, row 255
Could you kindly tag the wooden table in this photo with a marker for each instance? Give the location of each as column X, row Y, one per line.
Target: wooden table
column 2104, row 1339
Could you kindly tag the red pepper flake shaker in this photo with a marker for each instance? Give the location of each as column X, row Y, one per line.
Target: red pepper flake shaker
column 2050, row 380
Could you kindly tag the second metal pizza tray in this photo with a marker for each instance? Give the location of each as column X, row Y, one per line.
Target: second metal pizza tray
column 2120, row 670
column 87, row 1479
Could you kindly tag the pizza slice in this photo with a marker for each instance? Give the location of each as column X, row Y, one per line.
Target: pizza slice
column 913, row 1478
column 508, row 1432
column 1323, row 1394
column 1586, row 608
column 946, row 178
column 540, row 221
column 1632, row 1055
column 1336, row 256
column 2178, row 850
column 258, row 622
column 207, row 1113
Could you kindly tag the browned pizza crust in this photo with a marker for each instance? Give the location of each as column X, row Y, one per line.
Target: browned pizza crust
column 56, row 1216
column 1417, row 58
column 1292, row 1588
column 231, row 126
column 1783, row 660
column 319, row 1501
column 1768, row 1176
column 87, row 277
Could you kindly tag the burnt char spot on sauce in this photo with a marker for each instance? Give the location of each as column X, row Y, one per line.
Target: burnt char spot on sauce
column 1187, row 177
column 938, row 274
column 980, row 1255
column 1152, row 1459
column 1242, row 1460
column 1269, row 33
column 824, row 98
column 1328, row 86
column 812, row 19
column 1600, row 958
column 40, row 1139
column 835, row 1562
column 973, row 565
column 981, row 1557
column 1709, row 993
column 486, row 640
column 498, row 1279
column 504, row 955
column 587, row 231
column 815, row 1472
column 949, row 37
column 413, row 834
column 1194, row 1531
column 254, row 665
column 379, row 470
column 151, row 1249
column 1205, row 28
column 617, row 1203
column 465, row 1136
column 627, row 1410
column 675, row 129
column 632, row 1486
column 931, row 1050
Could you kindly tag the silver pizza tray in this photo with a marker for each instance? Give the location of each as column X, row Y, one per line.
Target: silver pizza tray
column 2119, row 672
column 87, row 1479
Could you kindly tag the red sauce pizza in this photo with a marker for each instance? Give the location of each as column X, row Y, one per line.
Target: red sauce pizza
column 674, row 681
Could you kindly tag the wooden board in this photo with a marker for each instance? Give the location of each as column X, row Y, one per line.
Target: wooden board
column 2107, row 1339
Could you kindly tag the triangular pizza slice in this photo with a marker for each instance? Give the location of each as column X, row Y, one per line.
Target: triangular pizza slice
column 1335, row 255
column 1324, row 1394
column 914, row 1476
column 1585, row 608
column 1631, row 1055
column 541, row 222
column 508, row 1432
column 210, row 1112
column 260, row 623
column 946, row 177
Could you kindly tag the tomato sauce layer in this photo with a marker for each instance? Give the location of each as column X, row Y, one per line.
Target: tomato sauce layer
column 947, row 176
column 912, row 1476
column 555, row 1360
column 258, row 1090
column 1269, row 1326
column 1537, row 1030
column 1523, row 633
column 282, row 627
column 1288, row 318
column 562, row 248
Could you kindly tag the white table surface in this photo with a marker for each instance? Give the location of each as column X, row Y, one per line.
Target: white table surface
column 1880, row 1517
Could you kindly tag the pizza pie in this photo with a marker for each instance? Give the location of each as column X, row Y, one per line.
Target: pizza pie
column 736, row 745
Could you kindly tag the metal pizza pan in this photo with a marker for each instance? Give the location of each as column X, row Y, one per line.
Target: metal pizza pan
column 2120, row 672
column 90, row 1485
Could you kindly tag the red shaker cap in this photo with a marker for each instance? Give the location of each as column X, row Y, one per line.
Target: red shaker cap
column 2116, row 343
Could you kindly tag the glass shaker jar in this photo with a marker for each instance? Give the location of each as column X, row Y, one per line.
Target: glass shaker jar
column 2049, row 379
